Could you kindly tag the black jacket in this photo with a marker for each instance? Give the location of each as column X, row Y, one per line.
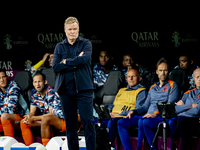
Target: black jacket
column 79, row 65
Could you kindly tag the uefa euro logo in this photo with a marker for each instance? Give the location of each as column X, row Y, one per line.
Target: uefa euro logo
column 8, row 42
column 176, row 39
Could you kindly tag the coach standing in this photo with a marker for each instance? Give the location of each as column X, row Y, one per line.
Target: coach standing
column 72, row 65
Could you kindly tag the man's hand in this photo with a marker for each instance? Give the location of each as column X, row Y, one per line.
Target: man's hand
column 149, row 115
column 45, row 57
column 130, row 114
column 194, row 105
column 180, row 102
column 81, row 54
column 26, row 119
column 64, row 60
column 114, row 115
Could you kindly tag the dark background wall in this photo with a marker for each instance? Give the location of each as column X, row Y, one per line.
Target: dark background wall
column 144, row 30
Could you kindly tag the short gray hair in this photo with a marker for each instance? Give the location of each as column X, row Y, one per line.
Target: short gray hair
column 71, row 20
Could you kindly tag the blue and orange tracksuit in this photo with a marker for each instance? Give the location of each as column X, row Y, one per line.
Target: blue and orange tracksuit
column 190, row 97
column 9, row 104
column 167, row 93
column 51, row 99
column 9, row 99
column 189, row 117
column 99, row 76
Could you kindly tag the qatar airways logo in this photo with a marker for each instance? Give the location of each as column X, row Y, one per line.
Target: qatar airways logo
column 49, row 40
column 146, row 39
column 7, row 65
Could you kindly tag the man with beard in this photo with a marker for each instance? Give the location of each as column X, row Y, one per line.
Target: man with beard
column 163, row 91
column 45, row 104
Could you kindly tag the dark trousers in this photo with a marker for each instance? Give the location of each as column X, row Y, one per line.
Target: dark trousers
column 188, row 128
column 150, row 124
column 112, row 125
column 83, row 100
column 123, row 125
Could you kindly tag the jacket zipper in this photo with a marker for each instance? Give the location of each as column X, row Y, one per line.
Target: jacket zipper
column 75, row 81
column 75, row 70
column 66, row 58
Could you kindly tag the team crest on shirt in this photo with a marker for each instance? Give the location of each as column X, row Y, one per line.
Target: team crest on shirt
column 199, row 96
column 45, row 105
column 164, row 89
column 6, row 100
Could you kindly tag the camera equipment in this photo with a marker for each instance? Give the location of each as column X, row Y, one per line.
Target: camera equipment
column 102, row 137
column 166, row 111
column 102, row 111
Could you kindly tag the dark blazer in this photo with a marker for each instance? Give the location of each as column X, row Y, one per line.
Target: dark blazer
column 79, row 65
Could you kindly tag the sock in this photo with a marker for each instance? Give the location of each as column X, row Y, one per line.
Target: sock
column 7, row 128
column 143, row 144
column 45, row 141
column 26, row 133
column 1, row 127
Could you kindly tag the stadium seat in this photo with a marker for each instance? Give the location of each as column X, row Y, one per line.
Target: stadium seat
column 148, row 78
column 50, row 76
column 108, row 99
column 106, row 93
column 180, row 77
column 114, row 82
column 25, row 82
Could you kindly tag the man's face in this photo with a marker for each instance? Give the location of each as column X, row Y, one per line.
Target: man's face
column 162, row 71
column 39, row 83
column 196, row 78
column 50, row 60
column 72, row 31
column 3, row 80
column 133, row 78
column 184, row 62
column 103, row 58
column 127, row 60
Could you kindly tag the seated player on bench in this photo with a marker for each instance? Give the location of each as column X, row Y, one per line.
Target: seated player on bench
column 45, row 111
column 131, row 97
column 10, row 112
column 189, row 112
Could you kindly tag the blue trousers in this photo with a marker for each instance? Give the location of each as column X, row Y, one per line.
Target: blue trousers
column 188, row 127
column 112, row 125
column 123, row 125
column 71, row 100
column 150, row 125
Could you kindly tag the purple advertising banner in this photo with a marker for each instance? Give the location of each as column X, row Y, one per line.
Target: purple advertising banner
column 11, row 74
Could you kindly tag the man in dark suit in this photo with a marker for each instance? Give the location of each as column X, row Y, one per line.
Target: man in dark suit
column 72, row 64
